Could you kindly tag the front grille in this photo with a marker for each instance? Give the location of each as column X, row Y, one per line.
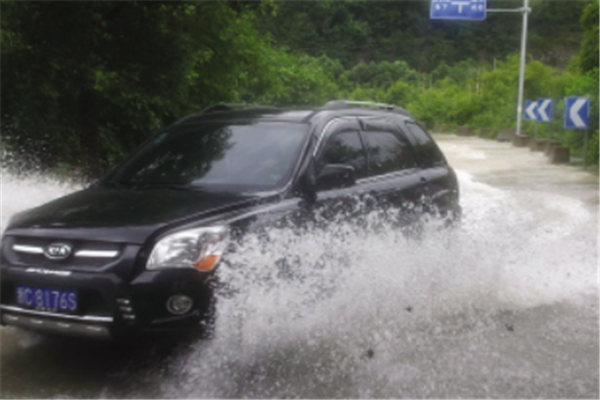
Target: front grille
column 30, row 251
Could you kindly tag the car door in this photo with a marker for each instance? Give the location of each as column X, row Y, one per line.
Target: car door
column 441, row 187
column 341, row 144
column 395, row 179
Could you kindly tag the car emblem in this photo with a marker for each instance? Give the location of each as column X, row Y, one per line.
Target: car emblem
column 58, row 251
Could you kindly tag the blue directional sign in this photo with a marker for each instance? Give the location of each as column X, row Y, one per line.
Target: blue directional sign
column 577, row 112
column 458, row 9
column 530, row 108
column 544, row 110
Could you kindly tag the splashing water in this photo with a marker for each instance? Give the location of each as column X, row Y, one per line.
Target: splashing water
column 503, row 305
column 363, row 313
column 21, row 193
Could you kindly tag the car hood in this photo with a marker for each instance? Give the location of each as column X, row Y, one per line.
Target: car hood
column 121, row 215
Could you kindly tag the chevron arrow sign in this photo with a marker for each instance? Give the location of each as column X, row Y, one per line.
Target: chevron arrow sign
column 577, row 112
column 544, row 110
column 530, row 107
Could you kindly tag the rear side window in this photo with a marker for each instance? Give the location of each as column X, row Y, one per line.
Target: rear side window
column 387, row 153
column 346, row 148
column 426, row 150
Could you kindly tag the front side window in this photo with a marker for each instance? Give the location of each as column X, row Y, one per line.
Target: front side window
column 387, row 153
column 216, row 156
column 346, row 148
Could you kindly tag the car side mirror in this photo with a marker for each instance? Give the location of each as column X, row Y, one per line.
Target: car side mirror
column 336, row 176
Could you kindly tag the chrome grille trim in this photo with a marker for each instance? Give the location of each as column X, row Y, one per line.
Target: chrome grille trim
column 83, row 318
column 28, row 249
column 97, row 253
column 21, row 248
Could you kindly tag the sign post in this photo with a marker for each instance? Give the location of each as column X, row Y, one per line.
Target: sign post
column 577, row 116
column 531, row 115
column 522, row 66
column 544, row 113
column 476, row 10
column 525, row 10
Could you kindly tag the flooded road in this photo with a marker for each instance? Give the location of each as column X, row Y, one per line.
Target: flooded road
column 504, row 306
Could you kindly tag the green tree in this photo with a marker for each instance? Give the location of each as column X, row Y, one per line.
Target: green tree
column 374, row 31
column 382, row 74
column 87, row 81
column 555, row 33
column 590, row 47
column 590, row 82
column 296, row 80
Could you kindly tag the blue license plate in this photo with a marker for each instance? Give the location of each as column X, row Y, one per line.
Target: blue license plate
column 47, row 299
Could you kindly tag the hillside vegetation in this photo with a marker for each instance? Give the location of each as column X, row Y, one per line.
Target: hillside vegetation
column 83, row 83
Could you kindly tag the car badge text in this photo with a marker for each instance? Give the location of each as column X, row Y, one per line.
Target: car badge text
column 45, row 271
column 57, row 251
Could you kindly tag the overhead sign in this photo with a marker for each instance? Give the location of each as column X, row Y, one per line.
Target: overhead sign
column 544, row 110
column 458, row 9
column 530, row 107
column 577, row 112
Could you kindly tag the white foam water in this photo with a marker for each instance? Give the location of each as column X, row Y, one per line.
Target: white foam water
column 20, row 193
column 340, row 319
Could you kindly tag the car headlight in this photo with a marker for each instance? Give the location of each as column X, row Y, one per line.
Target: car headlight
column 199, row 248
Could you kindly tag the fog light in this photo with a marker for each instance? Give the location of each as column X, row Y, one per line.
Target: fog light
column 179, row 304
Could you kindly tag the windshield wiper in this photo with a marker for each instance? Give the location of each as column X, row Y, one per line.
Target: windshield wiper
column 150, row 186
column 113, row 185
column 169, row 186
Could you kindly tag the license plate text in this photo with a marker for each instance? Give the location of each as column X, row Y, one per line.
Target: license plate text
column 47, row 299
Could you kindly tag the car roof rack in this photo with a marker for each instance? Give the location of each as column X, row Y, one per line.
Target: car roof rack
column 230, row 107
column 341, row 104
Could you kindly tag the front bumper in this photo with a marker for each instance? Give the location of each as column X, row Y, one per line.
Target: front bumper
column 86, row 326
column 108, row 305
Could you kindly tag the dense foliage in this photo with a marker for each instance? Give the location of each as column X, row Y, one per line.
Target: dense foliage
column 87, row 81
column 375, row 31
column 84, row 82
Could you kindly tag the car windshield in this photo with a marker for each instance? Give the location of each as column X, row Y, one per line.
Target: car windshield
column 215, row 156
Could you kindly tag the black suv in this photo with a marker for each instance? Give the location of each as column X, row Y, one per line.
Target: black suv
column 137, row 251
